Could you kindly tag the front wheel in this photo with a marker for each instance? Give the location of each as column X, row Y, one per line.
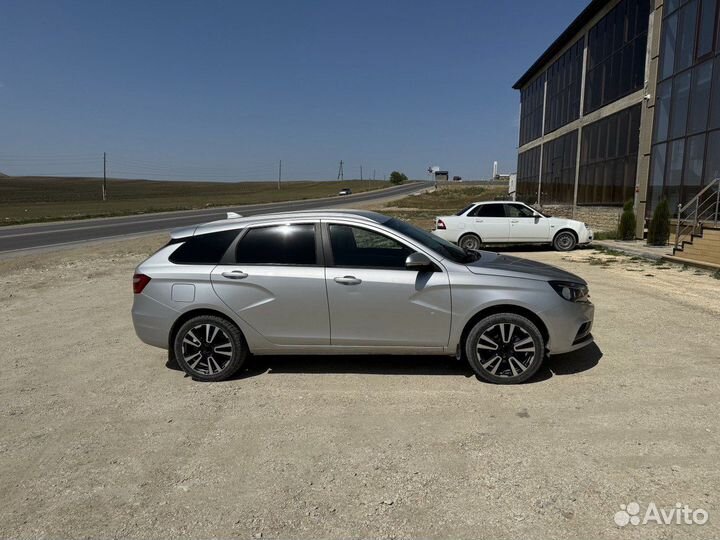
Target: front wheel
column 470, row 241
column 209, row 348
column 564, row 241
column 505, row 348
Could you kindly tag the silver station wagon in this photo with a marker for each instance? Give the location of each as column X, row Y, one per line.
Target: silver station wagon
column 351, row 282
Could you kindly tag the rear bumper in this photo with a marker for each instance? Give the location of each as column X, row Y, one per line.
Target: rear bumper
column 152, row 320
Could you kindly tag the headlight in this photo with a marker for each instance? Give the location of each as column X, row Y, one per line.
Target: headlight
column 572, row 292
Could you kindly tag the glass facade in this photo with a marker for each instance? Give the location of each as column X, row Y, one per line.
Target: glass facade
column 686, row 133
column 608, row 158
column 564, row 81
column 558, row 169
column 617, row 46
column 614, row 67
column 531, row 110
column 528, row 174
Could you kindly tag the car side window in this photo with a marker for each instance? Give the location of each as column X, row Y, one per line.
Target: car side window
column 518, row 211
column 203, row 249
column 489, row 210
column 278, row 244
column 362, row 248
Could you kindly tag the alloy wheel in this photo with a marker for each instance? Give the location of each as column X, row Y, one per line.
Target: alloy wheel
column 207, row 349
column 505, row 350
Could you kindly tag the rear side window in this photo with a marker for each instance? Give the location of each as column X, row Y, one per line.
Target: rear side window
column 280, row 244
column 489, row 210
column 204, row 249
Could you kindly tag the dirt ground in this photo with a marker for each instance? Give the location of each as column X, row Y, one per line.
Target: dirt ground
column 98, row 438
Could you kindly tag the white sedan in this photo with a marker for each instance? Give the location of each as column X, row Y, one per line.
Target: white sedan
column 509, row 223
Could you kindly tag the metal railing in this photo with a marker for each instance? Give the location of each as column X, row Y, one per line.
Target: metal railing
column 703, row 209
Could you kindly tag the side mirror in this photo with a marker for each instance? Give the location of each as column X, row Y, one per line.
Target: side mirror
column 418, row 261
column 537, row 217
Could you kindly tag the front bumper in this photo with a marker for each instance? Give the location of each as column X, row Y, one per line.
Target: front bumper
column 569, row 326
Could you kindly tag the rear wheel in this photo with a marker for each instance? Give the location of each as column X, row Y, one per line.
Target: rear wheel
column 564, row 241
column 470, row 241
column 209, row 348
column 505, row 348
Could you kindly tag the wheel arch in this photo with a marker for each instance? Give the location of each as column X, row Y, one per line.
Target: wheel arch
column 184, row 317
column 567, row 229
column 469, row 233
column 504, row 308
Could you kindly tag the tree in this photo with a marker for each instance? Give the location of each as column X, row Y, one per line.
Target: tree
column 626, row 229
column 659, row 229
column 398, row 177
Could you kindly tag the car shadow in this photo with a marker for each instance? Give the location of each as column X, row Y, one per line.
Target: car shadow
column 565, row 364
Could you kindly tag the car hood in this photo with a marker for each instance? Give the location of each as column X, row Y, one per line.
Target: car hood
column 495, row 263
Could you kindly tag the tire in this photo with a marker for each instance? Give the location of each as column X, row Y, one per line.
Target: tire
column 564, row 241
column 521, row 346
column 209, row 348
column 470, row 241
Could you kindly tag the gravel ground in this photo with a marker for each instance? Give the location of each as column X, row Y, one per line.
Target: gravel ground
column 98, row 437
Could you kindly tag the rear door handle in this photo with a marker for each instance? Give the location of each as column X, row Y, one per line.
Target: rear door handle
column 348, row 280
column 235, row 274
column 514, row 221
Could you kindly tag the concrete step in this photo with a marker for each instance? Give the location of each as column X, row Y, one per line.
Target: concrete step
column 694, row 262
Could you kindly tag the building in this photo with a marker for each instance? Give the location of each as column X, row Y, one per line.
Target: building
column 441, row 176
column 624, row 104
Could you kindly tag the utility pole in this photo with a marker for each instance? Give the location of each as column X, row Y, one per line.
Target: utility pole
column 361, row 173
column 279, row 173
column 340, row 171
column 104, row 176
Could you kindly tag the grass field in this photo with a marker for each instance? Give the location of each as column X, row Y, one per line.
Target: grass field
column 36, row 199
column 422, row 209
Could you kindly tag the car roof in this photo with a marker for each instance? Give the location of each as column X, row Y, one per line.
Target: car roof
column 240, row 222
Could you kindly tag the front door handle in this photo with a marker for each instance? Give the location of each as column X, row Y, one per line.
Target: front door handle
column 348, row 280
column 514, row 221
column 478, row 221
column 235, row 274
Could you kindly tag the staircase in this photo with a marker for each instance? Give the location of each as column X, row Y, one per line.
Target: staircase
column 697, row 229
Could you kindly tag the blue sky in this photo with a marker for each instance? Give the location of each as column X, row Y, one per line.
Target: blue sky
column 224, row 89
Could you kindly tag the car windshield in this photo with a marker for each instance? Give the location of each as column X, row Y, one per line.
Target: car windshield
column 430, row 241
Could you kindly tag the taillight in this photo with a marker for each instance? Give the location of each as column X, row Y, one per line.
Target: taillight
column 139, row 282
column 440, row 224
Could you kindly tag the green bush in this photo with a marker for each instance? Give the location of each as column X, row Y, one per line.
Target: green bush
column 659, row 229
column 398, row 177
column 626, row 228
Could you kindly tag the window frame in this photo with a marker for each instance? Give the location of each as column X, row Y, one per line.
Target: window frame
column 230, row 257
column 479, row 207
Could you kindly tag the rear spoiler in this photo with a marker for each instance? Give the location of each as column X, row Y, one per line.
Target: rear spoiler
column 185, row 232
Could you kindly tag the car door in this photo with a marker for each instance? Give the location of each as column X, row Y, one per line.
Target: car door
column 526, row 225
column 489, row 222
column 374, row 300
column 275, row 282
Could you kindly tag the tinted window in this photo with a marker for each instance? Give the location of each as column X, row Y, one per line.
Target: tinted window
column 518, row 210
column 489, row 210
column 461, row 212
column 356, row 247
column 203, row 249
column 281, row 244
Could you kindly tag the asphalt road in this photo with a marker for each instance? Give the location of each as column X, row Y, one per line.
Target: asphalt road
column 66, row 233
